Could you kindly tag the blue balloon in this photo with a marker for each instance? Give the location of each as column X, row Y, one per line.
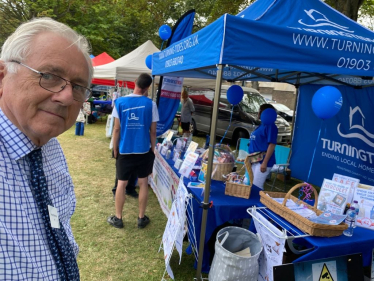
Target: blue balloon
column 235, row 94
column 268, row 116
column 327, row 102
column 164, row 32
column 148, row 61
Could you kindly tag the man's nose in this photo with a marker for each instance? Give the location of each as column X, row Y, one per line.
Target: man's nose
column 65, row 96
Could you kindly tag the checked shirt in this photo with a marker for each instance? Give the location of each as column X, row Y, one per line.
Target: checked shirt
column 24, row 249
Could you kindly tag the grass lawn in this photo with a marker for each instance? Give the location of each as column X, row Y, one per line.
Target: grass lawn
column 107, row 253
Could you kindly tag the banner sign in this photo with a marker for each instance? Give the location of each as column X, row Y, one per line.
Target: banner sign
column 169, row 97
column 174, row 230
column 346, row 141
column 169, row 102
column 164, row 182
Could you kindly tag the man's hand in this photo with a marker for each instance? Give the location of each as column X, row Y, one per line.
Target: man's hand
column 263, row 167
column 115, row 152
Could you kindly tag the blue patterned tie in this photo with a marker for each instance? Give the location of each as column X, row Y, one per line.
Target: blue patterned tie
column 58, row 241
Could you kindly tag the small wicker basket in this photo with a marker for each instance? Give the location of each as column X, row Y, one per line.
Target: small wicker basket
column 241, row 190
column 220, row 169
column 315, row 229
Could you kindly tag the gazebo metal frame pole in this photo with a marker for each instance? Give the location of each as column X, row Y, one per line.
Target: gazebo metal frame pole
column 153, row 86
column 212, row 142
column 294, row 112
column 297, row 85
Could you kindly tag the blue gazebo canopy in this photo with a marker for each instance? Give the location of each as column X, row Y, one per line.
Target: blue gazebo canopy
column 297, row 42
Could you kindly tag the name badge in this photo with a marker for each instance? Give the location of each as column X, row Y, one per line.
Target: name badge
column 53, row 217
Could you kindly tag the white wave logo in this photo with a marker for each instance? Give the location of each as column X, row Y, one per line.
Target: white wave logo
column 364, row 138
column 321, row 20
column 133, row 117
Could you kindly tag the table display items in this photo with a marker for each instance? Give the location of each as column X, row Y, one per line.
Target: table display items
column 234, row 182
column 350, row 221
column 333, row 196
column 349, row 181
column 165, row 147
column 364, row 195
column 188, row 164
column 357, row 210
column 303, row 223
column 180, row 146
column 223, row 161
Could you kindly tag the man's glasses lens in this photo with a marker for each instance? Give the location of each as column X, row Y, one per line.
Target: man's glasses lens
column 56, row 84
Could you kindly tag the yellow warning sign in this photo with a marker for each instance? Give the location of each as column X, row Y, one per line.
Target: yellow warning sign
column 325, row 274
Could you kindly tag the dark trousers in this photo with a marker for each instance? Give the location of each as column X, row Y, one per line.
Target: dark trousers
column 130, row 184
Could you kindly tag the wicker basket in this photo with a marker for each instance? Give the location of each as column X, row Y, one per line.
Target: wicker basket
column 220, row 169
column 241, row 190
column 299, row 221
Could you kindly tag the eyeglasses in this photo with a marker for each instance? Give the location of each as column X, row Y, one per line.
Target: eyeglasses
column 56, row 84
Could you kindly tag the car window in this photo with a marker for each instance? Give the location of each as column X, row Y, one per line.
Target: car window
column 251, row 102
column 224, row 103
column 279, row 106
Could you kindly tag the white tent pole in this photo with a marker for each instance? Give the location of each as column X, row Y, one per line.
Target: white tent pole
column 212, row 142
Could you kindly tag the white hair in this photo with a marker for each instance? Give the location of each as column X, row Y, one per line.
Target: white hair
column 17, row 46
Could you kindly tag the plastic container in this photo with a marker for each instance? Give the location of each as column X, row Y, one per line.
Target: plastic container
column 350, row 220
column 168, row 154
column 357, row 209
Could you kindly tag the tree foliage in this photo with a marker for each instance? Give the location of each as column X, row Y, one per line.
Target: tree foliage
column 119, row 26
column 349, row 8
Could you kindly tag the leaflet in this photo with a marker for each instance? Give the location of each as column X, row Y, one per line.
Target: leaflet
column 351, row 182
column 333, row 197
column 188, row 164
column 328, row 218
column 365, row 199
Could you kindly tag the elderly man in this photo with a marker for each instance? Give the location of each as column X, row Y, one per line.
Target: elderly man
column 134, row 140
column 45, row 70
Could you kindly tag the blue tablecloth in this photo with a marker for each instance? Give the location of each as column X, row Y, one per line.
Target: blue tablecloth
column 226, row 208
column 102, row 102
column 362, row 241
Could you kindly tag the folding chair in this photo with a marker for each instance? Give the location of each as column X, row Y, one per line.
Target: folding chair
column 281, row 164
column 241, row 150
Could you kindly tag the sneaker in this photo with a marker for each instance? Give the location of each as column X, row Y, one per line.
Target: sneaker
column 132, row 193
column 114, row 221
column 143, row 222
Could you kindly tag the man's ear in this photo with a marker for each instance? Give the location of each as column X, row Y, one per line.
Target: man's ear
column 2, row 75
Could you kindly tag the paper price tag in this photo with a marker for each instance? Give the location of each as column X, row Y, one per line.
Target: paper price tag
column 169, row 136
column 192, row 147
column 53, row 216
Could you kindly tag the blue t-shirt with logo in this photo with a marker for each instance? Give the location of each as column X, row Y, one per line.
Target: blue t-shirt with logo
column 260, row 139
column 135, row 115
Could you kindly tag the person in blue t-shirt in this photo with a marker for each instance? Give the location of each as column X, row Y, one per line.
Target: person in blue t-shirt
column 263, row 139
column 134, row 140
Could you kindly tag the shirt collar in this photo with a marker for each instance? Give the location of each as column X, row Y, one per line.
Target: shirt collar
column 16, row 143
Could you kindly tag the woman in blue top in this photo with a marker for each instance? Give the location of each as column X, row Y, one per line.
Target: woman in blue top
column 263, row 139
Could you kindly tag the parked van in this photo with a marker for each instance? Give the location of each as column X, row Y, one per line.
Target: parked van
column 244, row 117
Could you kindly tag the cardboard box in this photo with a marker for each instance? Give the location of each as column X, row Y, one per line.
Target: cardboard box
column 281, row 176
